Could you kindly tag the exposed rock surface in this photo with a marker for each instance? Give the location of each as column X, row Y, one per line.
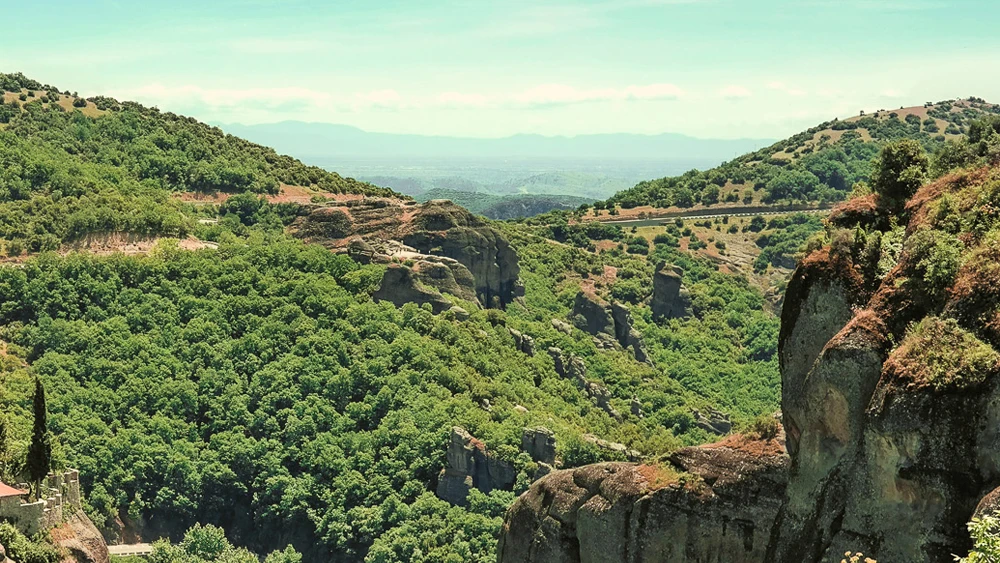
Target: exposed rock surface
column 615, row 447
column 450, row 249
column 81, row 539
column 670, row 300
column 890, row 398
column 400, row 286
column 713, row 421
column 609, row 324
column 627, row 513
column 540, row 444
column 574, row 368
column 470, row 466
column 524, row 343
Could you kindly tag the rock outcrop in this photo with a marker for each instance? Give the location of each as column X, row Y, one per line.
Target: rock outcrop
column 713, row 503
column 713, row 421
column 470, row 466
column 540, row 444
column 890, row 400
column 449, row 249
column 524, row 343
column 78, row 535
column 400, row 286
column 670, row 300
column 574, row 368
column 609, row 323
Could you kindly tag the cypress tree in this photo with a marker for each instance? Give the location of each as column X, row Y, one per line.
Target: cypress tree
column 40, row 450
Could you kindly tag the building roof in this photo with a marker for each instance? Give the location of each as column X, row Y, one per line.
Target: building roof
column 8, row 491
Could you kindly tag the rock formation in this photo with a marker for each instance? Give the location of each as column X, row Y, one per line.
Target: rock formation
column 449, row 249
column 670, row 300
column 524, row 343
column 400, row 286
column 81, row 539
column 712, row 503
column 470, row 466
column 574, row 368
column 713, row 421
column 609, row 324
column 621, row 450
column 890, row 400
column 540, row 444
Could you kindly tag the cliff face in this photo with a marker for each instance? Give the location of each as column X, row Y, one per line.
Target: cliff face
column 890, row 401
column 713, row 504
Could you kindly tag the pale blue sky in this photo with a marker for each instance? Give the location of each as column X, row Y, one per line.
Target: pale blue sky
column 709, row 68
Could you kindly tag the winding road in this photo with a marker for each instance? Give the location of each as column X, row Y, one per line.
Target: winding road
column 713, row 213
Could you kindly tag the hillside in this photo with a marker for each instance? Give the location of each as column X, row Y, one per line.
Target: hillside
column 888, row 352
column 821, row 164
column 230, row 338
column 70, row 167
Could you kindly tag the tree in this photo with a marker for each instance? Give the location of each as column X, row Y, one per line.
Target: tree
column 899, row 170
column 40, row 451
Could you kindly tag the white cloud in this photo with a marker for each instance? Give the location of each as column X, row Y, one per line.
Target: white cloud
column 891, row 93
column 546, row 95
column 310, row 103
column 735, row 92
column 215, row 98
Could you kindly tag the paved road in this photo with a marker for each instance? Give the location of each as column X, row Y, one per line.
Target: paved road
column 713, row 213
column 140, row 549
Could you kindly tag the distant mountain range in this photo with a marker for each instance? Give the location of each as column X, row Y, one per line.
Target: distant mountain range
column 326, row 140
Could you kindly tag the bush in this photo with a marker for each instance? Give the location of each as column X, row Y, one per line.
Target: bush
column 899, row 170
column 24, row 550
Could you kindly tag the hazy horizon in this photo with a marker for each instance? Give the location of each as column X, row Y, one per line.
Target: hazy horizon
column 704, row 68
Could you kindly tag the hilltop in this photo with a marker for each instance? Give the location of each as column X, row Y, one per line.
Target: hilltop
column 73, row 167
column 819, row 165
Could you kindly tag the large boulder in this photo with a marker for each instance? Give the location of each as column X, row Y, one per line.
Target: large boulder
column 445, row 229
column 540, row 444
column 470, row 466
column 713, row 503
column 400, row 285
column 81, row 539
column 670, row 300
column 609, row 323
column 592, row 314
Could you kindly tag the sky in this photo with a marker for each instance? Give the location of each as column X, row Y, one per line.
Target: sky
column 491, row 68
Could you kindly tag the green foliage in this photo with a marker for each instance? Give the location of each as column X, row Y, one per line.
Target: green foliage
column 208, row 544
column 985, row 533
column 64, row 175
column 899, row 170
column 934, row 257
column 22, row 549
column 784, row 238
column 942, row 354
column 820, row 172
column 40, row 451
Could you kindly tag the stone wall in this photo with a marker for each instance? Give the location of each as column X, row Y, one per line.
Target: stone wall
column 62, row 489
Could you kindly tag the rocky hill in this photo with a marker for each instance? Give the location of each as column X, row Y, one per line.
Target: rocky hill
column 888, row 357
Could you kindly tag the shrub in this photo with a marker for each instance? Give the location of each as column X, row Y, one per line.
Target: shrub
column 939, row 353
column 899, row 170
